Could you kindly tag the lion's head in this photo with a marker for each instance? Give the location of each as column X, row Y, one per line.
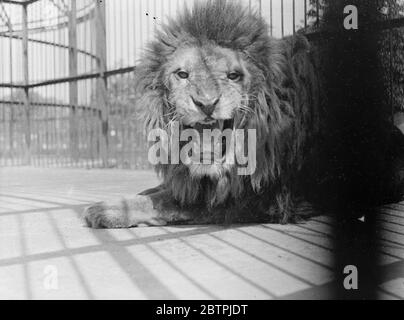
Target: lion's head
column 215, row 66
column 208, row 87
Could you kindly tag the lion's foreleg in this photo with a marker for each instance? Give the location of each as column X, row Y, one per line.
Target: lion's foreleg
column 150, row 210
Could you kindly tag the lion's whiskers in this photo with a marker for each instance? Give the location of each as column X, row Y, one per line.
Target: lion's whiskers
column 175, row 118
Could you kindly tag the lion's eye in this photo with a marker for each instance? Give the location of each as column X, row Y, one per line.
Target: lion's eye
column 234, row 76
column 183, row 74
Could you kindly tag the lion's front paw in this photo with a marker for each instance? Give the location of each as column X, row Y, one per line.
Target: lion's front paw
column 126, row 214
column 100, row 215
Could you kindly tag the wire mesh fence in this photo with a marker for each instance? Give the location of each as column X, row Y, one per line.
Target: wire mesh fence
column 67, row 72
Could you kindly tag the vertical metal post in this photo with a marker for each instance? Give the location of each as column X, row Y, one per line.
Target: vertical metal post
column 391, row 84
column 260, row 7
column 294, row 16
column 73, row 89
column 101, row 86
column 282, row 22
column 11, row 108
column 27, row 106
column 305, row 13
column 271, row 16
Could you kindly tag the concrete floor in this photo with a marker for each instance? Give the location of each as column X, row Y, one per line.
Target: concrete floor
column 46, row 252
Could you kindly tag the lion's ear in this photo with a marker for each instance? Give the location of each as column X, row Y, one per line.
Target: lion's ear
column 299, row 44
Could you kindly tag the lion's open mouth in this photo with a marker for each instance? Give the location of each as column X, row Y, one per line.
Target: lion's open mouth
column 214, row 136
column 213, row 124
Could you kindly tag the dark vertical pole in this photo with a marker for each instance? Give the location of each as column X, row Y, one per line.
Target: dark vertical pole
column 271, row 16
column 101, row 86
column 391, row 74
column 294, row 17
column 27, row 106
column 260, row 6
column 11, row 108
column 282, row 22
column 73, row 89
column 357, row 138
column 305, row 13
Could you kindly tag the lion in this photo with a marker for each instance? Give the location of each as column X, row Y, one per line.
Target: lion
column 217, row 67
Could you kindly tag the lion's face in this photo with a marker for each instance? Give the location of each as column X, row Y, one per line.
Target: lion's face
column 208, row 88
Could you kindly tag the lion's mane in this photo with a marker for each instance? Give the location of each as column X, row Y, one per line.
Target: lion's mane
column 285, row 111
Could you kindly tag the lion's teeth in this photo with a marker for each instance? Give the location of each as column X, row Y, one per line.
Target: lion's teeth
column 221, row 124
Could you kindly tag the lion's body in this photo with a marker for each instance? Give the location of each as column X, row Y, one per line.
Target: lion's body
column 283, row 99
column 286, row 125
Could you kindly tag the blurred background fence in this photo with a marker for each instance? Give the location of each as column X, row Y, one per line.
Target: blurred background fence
column 66, row 75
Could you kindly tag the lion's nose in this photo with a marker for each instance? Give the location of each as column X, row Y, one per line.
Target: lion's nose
column 207, row 106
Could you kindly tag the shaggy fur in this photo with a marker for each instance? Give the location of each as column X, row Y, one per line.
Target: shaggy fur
column 285, row 114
